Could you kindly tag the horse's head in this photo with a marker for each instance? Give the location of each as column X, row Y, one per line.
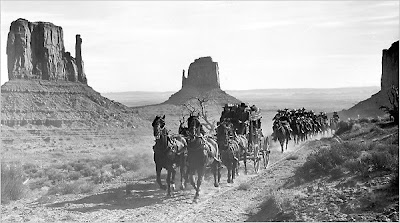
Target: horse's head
column 224, row 131
column 193, row 124
column 182, row 130
column 158, row 125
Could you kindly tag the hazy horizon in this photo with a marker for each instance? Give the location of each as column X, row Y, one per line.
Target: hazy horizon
column 144, row 46
column 311, row 88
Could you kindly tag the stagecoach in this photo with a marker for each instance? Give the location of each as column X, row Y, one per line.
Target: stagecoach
column 247, row 121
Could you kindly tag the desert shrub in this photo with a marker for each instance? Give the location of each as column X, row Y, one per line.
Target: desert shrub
column 391, row 149
column 12, row 179
column 55, row 174
column 381, row 161
column 64, row 188
column 337, row 172
column 102, row 176
column 325, row 160
column 30, row 168
column 375, row 120
column 364, row 120
column 67, row 167
column 39, row 183
column 86, row 187
column 356, row 127
column 88, row 171
column 75, row 175
column 356, row 166
column 344, row 127
column 40, row 173
column 377, row 129
column 79, row 165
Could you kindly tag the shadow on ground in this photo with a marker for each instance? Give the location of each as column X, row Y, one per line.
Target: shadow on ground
column 143, row 193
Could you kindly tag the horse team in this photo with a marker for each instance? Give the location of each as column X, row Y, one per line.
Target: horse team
column 193, row 151
column 301, row 125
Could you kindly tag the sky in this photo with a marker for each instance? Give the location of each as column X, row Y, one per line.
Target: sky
column 144, row 46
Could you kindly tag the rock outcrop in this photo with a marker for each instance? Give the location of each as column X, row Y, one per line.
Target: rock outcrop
column 390, row 77
column 35, row 50
column 390, row 67
column 202, row 81
column 203, row 74
column 48, row 87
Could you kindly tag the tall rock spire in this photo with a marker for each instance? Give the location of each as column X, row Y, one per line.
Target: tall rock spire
column 79, row 61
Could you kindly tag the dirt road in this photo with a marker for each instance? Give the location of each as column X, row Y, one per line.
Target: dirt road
column 239, row 201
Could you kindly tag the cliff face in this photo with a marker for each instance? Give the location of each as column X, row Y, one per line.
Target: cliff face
column 390, row 77
column 203, row 74
column 202, row 82
column 35, row 50
column 390, row 67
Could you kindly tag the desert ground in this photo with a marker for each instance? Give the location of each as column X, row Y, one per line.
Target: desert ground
column 81, row 174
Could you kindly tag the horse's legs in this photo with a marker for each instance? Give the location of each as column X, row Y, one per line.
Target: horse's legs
column 169, row 181
column 245, row 160
column 215, row 168
column 184, row 172
column 172, row 179
column 200, row 175
column 229, row 167
column 191, row 176
column 219, row 171
column 287, row 141
column 158, row 172
column 234, row 168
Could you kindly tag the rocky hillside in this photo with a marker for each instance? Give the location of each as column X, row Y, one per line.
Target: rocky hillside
column 202, row 82
column 62, row 103
column 390, row 77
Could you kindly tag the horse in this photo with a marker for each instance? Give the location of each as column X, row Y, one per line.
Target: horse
column 169, row 153
column 229, row 149
column 202, row 152
column 333, row 124
column 282, row 134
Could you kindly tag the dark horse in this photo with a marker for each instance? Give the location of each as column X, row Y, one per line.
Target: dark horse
column 282, row 134
column 229, row 149
column 168, row 154
column 202, row 152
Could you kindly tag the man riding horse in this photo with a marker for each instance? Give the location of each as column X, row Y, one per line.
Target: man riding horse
column 281, row 119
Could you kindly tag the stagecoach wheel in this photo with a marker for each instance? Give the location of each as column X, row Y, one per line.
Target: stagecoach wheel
column 256, row 157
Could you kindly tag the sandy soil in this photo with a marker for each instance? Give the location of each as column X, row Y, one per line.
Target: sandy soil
column 230, row 202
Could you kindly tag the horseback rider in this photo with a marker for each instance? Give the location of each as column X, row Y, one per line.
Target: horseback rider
column 281, row 118
column 335, row 116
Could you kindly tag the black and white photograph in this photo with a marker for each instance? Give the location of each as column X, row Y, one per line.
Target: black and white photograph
column 199, row 111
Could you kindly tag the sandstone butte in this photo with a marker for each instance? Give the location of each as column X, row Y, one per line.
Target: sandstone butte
column 202, row 81
column 35, row 50
column 47, row 86
column 389, row 78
